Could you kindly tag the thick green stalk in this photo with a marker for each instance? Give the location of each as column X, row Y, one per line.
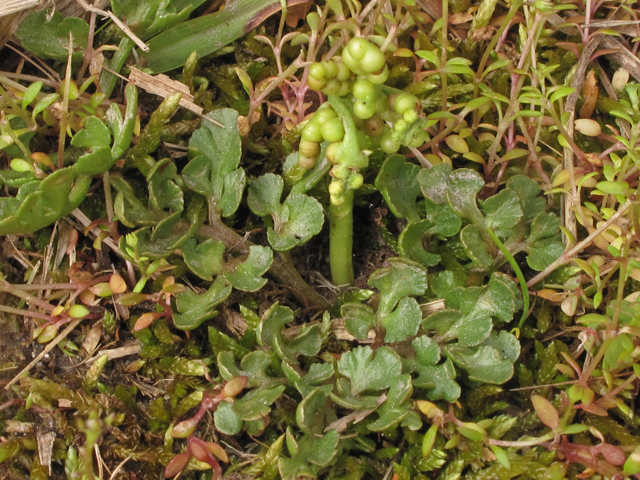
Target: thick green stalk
column 341, row 240
column 350, row 159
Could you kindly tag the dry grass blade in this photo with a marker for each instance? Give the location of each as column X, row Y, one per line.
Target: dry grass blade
column 162, row 85
column 7, row 7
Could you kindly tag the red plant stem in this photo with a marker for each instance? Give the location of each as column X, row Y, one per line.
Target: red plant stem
column 26, row 313
column 11, row 403
column 62, row 286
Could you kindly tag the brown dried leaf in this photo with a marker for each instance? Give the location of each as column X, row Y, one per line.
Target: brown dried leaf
column 482, row 34
column 459, row 18
column 45, row 447
column 164, row 86
column 295, row 13
column 117, row 284
column 92, row 339
column 589, row 95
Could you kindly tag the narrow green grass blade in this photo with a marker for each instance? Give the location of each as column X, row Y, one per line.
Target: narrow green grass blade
column 171, row 48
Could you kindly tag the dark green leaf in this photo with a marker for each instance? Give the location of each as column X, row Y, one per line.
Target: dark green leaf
column 193, row 309
column 257, row 403
column 398, row 407
column 433, row 182
column 94, row 134
column 427, row 351
column 528, row 191
column 398, row 183
column 543, row 253
column 309, row 454
column 462, row 187
column 358, row 319
column 402, row 278
column 226, row 420
column 443, row 282
column 50, row 38
column 318, row 374
column 254, row 366
column 503, row 210
column 444, row 219
column 411, row 246
column 505, row 343
column 483, row 364
column 216, row 174
column 304, row 219
column 403, row 322
column 441, row 321
column 470, row 330
column 204, row 34
column 438, row 380
column 247, row 276
column 479, row 250
column 312, row 411
column 206, row 259
column 307, row 342
column 40, row 203
column 99, row 160
column 264, row 195
column 163, row 190
column 368, row 373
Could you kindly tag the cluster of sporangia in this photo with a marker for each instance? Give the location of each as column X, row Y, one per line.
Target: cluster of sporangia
column 361, row 71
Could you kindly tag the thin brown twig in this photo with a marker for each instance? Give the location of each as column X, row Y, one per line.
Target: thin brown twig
column 121, row 25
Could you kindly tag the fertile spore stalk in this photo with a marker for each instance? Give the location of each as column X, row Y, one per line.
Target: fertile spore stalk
column 354, row 119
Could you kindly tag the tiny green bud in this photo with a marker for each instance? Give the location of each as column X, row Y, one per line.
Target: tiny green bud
column 339, row 171
column 356, row 181
column 358, row 47
column 185, row 428
column 78, row 311
column 316, row 84
column 318, row 71
column 429, row 440
column 336, row 187
column 311, row 131
column 337, row 200
column 379, row 77
column 309, row 148
column 400, row 126
column 21, row 165
column 343, row 72
column 332, row 87
column 332, row 152
column 410, row 116
column 306, row 162
column 331, row 69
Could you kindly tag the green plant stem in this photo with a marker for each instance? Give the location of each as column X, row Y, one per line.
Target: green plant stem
column 341, row 240
column 17, row 110
column 624, row 267
column 518, row 272
column 506, row 23
column 350, row 156
column 443, row 60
